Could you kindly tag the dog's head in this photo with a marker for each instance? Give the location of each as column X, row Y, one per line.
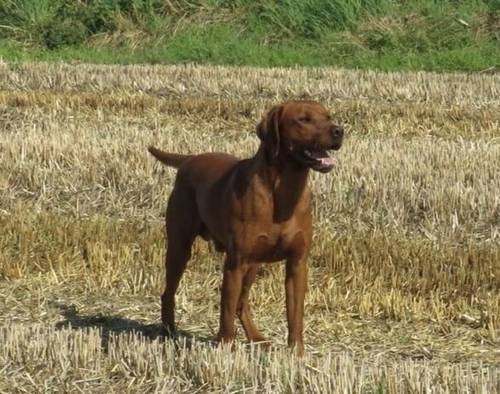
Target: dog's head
column 302, row 131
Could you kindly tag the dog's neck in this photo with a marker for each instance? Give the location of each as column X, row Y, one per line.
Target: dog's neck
column 286, row 181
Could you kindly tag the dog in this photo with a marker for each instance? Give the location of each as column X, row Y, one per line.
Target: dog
column 256, row 210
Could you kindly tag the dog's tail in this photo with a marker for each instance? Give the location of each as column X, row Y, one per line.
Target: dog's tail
column 170, row 159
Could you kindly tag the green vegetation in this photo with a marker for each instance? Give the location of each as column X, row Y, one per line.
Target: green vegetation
column 383, row 34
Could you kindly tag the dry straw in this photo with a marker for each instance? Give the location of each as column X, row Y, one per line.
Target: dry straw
column 404, row 279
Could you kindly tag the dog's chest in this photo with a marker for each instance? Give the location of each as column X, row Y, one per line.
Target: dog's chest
column 276, row 243
column 269, row 228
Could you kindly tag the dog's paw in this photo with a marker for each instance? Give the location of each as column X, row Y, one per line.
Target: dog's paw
column 169, row 331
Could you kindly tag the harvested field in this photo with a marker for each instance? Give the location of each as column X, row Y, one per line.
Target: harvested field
column 405, row 268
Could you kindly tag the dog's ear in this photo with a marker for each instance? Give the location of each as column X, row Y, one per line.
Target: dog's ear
column 268, row 130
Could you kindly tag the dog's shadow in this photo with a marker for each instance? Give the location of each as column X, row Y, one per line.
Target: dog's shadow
column 112, row 325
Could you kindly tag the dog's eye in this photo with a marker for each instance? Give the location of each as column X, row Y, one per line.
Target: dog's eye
column 305, row 118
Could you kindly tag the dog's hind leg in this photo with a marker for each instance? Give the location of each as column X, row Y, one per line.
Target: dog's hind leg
column 183, row 224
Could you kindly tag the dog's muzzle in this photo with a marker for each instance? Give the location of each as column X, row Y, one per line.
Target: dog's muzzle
column 316, row 159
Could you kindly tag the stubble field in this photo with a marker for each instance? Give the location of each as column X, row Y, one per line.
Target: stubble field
column 404, row 273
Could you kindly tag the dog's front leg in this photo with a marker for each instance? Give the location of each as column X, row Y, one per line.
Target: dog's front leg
column 295, row 287
column 234, row 271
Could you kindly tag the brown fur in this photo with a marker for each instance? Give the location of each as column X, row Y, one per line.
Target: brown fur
column 256, row 210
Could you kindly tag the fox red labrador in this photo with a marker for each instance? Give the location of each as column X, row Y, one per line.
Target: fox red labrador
column 256, row 210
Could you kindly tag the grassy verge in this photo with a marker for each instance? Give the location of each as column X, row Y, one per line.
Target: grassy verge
column 377, row 34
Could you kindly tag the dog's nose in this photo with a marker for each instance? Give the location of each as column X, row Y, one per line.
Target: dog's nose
column 337, row 131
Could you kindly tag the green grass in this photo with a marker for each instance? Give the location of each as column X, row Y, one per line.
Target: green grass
column 382, row 34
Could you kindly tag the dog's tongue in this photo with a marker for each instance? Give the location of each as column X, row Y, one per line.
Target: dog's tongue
column 327, row 161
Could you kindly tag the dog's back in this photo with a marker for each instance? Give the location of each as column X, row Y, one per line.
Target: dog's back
column 197, row 170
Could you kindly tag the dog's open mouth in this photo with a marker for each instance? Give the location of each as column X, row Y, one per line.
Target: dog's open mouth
column 317, row 159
